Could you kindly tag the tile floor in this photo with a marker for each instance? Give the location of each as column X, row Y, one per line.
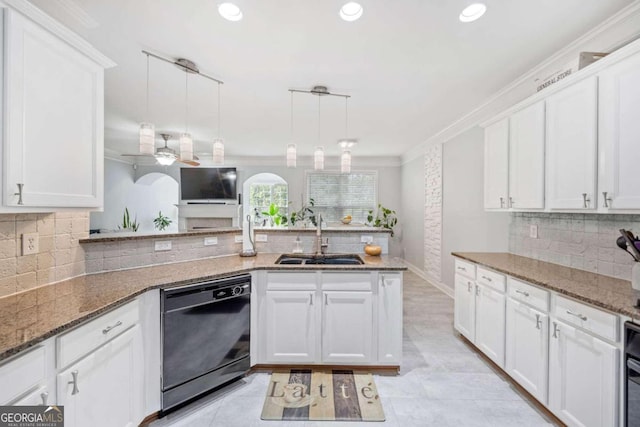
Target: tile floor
column 442, row 382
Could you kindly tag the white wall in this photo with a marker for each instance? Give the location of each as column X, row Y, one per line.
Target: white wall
column 412, row 212
column 466, row 227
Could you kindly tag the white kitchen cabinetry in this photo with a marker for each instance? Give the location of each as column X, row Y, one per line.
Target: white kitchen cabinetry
column 496, row 165
column 53, row 114
column 290, row 329
column 390, row 318
column 527, row 342
column 465, row 307
column 347, row 332
column 572, row 146
column 526, row 158
column 490, row 322
column 583, row 377
column 105, row 387
column 619, row 140
column 28, row 378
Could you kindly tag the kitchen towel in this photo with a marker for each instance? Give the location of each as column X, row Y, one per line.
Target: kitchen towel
column 322, row 395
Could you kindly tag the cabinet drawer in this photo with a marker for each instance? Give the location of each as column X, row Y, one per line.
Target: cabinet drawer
column 346, row 281
column 529, row 294
column 589, row 318
column 465, row 268
column 91, row 335
column 493, row 280
column 291, row 281
column 22, row 373
column 38, row 397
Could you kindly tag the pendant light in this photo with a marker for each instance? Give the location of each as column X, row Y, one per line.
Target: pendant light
column 346, row 143
column 318, row 154
column 186, row 143
column 291, row 148
column 218, row 144
column 147, row 130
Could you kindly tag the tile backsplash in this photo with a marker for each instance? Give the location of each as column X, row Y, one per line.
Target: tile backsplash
column 583, row 241
column 60, row 255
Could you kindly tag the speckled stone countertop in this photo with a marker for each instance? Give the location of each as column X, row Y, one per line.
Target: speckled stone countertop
column 29, row 317
column 612, row 294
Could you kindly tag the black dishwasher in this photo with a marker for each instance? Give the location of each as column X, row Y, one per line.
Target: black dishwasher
column 205, row 337
column 632, row 377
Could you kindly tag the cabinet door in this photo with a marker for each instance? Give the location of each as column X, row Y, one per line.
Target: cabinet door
column 583, row 377
column 290, row 332
column 572, row 146
column 109, row 385
column 490, row 323
column 496, row 165
column 390, row 318
column 54, row 120
column 348, row 327
column 526, row 158
column 527, row 346
column 464, row 315
column 619, row 134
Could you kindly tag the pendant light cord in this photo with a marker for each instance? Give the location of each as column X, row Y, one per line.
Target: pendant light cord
column 291, row 116
column 346, row 117
column 219, row 111
column 147, row 112
column 318, row 121
column 186, row 102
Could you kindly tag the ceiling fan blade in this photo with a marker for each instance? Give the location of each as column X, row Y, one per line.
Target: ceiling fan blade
column 188, row 162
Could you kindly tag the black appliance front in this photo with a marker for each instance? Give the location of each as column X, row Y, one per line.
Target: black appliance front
column 632, row 377
column 205, row 337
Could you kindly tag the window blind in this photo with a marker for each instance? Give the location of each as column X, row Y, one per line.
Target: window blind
column 337, row 195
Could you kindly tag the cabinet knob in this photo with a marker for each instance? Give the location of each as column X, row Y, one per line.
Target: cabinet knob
column 501, row 202
column 585, row 200
column 19, row 193
column 556, row 330
column 526, row 294
column 74, row 382
column 326, row 299
column 44, row 396
column 578, row 315
column 511, row 202
column 310, row 299
column 477, row 290
column 469, row 285
column 538, row 322
column 607, row 200
column 488, row 279
column 108, row 328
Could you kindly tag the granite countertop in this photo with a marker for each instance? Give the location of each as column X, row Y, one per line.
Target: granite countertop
column 29, row 317
column 609, row 293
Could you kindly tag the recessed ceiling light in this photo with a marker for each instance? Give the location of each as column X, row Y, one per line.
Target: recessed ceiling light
column 230, row 11
column 473, row 12
column 351, row 11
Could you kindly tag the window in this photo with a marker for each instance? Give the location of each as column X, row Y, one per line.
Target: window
column 337, row 195
column 261, row 196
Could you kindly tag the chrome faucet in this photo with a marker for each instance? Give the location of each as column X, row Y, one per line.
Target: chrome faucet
column 319, row 236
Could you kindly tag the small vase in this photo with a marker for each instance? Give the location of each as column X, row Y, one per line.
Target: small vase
column 635, row 276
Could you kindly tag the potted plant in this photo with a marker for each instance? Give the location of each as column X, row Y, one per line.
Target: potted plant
column 162, row 222
column 274, row 215
column 127, row 224
column 385, row 218
column 305, row 213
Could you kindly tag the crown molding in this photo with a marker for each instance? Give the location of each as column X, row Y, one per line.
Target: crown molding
column 620, row 22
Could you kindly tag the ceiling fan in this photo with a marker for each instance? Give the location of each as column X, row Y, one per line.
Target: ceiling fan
column 165, row 155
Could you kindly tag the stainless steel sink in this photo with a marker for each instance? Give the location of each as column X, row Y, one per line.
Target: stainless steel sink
column 343, row 259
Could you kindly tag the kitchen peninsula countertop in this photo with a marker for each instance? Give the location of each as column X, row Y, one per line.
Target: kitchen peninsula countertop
column 606, row 292
column 29, row 317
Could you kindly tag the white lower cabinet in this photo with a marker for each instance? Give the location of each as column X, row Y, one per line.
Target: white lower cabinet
column 390, row 318
column 105, row 387
column 465, row 307
column 490, row 323
column 583, row 372
column 347, row 332
column 290, row 333
column 527, row 348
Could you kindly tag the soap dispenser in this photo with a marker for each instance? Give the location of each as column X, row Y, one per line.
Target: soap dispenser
column 297, row 247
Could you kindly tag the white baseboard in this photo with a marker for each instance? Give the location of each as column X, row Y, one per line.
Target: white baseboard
column 435, row 283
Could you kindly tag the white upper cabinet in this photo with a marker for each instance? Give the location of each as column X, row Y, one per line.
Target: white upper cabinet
column 526, row 158
column 53, row 116
column 496, row 165
column 572, row 146
column 619, row 132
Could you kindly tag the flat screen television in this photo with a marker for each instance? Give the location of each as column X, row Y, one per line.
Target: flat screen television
column 208, row 184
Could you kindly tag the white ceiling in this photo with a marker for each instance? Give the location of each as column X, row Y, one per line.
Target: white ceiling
column 411, row 67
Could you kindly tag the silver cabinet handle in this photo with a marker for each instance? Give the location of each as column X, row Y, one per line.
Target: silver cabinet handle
column 310, row 299
column 487, row 278
column 578, row 315
column 585, row 200
column 469, row 285
column 511, row 202
column 326, row 299
column 461, row 268
column 538, row 321
column 556, row 329
column 383, row 280
column 501, row 202
column 44, row 396
column 477, row 290
column 607, row 200
column 74, row 382
column 108, row 328
column 19, row 193
column 526, row 294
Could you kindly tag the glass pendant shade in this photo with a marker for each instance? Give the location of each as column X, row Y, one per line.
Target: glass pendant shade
column 318, row 159
column 345, row 162
column 291, row 155
column 186, row 147
column 218, row 152
column 165, row 159
column 147, row 138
